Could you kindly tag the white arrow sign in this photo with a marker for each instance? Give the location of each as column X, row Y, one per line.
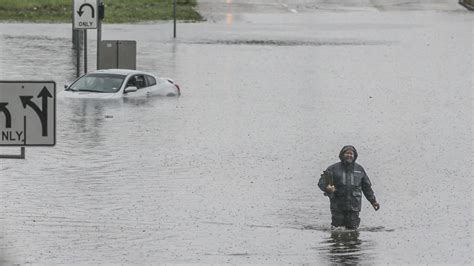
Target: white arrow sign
column 27, row 113
column 85, row 14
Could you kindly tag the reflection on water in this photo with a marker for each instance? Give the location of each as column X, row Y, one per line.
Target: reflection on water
column 361, row 229
column 87, row 118
column 345, row 247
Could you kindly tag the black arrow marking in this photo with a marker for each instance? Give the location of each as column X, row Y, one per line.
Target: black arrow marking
column 80, row 12
column 42, row 114
column 8, row 116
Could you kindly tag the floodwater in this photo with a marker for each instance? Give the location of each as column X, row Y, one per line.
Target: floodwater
column 227, row 172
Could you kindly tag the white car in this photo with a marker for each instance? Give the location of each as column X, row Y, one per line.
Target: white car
column 118, row 83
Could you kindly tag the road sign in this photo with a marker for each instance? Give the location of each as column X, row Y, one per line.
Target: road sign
column 27, row 113
column 85, row 14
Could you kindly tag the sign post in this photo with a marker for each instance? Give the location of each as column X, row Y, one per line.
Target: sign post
column 85, row 51
column 78, row 53
column 85, row 14
column 101, row 14
column 21, row 156
column 174, row 19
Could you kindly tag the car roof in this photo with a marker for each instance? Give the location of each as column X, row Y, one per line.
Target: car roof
column 120, row 71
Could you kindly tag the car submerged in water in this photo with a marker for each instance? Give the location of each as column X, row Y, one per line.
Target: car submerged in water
column 119, row 83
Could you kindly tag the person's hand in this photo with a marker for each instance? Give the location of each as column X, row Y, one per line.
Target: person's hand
column 330, row 189
column 376, row 206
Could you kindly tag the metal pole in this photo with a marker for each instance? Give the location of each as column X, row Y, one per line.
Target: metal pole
column 74, row 35
column 85, row 51
column 99, row 37
column 78, row 54
column 174, row 18
column 21, row 156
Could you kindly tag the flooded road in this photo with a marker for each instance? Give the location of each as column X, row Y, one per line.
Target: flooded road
column 227, row 173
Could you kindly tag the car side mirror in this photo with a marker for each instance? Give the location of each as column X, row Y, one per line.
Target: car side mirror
column 130, row 89
column 66, row 85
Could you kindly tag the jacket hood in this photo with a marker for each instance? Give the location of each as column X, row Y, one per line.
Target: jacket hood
column 345, row 148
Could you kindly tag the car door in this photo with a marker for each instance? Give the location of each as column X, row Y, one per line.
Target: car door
column 153, row 86
column 139, row 81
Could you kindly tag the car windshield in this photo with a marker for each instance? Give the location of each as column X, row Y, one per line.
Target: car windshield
column 98, row 82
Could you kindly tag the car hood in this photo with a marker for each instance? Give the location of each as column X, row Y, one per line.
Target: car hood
column 87, row 94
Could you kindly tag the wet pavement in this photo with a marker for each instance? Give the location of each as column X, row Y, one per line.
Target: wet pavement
column 227, row 173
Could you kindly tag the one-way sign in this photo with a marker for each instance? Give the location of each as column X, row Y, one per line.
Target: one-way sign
column 85, row 14
column 27, row 113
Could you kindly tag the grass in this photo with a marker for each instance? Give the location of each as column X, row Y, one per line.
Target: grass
column 469, row 2
column 116, row 11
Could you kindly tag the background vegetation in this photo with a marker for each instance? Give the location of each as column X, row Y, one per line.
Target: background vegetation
column 116, row 11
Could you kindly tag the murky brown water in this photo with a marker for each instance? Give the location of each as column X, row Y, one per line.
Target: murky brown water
column 228, row 171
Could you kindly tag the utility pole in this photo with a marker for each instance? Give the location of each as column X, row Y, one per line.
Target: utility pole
column 99, row 29
column 174, row 18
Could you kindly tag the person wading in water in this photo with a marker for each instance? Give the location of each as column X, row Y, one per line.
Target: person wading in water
column 344, row 182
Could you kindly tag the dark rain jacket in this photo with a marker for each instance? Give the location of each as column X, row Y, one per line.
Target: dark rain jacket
column 350, row 181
